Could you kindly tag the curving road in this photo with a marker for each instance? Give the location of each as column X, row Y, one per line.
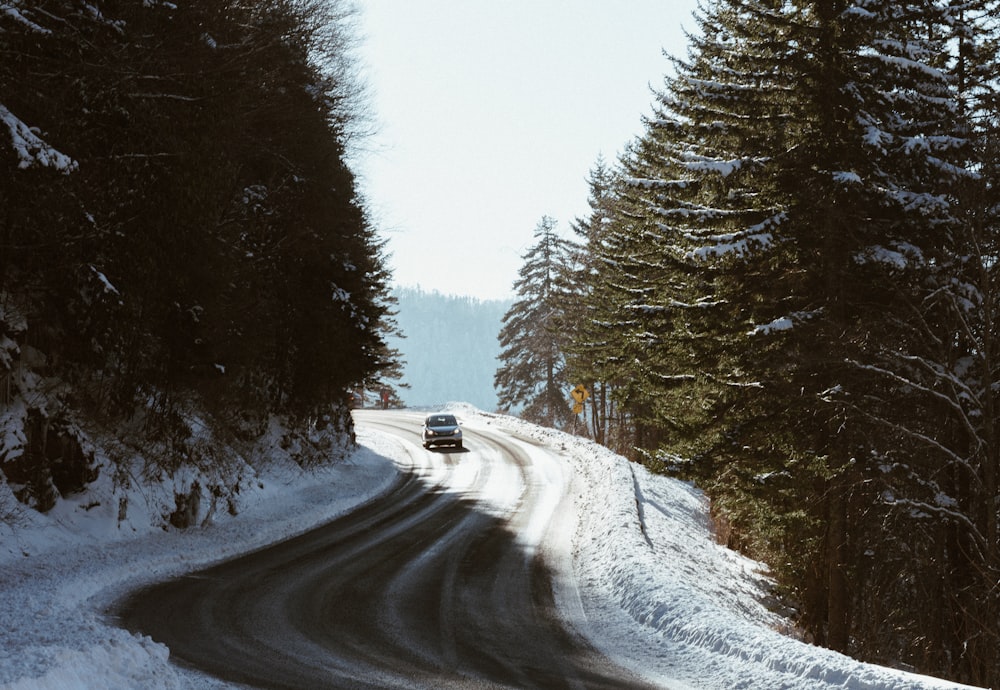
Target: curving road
column 442, row 582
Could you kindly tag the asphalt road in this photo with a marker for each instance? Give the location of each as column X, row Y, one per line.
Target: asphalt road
column 427, row 587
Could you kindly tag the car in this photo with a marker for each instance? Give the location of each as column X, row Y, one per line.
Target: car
column 442, row 429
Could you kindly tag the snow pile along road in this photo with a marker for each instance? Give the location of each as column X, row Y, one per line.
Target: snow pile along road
column 61, row 572
column 650, row 587
column 665, row 599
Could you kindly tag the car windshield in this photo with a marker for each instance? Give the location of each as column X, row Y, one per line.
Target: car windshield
column 441, row 420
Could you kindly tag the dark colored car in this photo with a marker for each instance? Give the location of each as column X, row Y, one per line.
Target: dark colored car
column 442, row 429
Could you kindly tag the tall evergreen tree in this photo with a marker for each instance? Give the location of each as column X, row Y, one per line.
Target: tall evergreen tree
column 936, row 405
column 579, row 314
column 796, row 176
column 532, row 365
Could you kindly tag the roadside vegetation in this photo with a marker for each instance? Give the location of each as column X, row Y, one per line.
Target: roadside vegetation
column 786, row 291
column 185, row 258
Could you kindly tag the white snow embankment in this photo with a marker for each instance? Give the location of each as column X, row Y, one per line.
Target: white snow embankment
column 662, row 596
column 60, row 572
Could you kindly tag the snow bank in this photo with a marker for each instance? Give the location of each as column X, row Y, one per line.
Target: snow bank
column 61, row 572
column 661, row 595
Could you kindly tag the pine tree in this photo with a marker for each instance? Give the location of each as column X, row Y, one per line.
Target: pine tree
column 796, row 175
column 936, row 405
column 585, row 354
column 532, row 366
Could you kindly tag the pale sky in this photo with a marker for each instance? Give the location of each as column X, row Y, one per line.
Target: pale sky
column 491, row 114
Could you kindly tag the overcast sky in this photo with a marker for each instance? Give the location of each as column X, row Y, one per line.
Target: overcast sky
column 491, row 114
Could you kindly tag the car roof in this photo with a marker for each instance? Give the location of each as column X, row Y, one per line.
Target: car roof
column 441, row 418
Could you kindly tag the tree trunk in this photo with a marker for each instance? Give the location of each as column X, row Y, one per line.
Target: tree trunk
column 838, row 595
column 597, row 411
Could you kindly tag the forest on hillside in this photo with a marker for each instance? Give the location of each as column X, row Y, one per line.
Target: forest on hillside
column 787, row 291
column 448, row 348
column 185, row 257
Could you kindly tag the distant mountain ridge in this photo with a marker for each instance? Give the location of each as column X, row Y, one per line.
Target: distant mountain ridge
column 450, row 349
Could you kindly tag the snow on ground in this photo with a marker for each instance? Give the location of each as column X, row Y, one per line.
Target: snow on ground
column 652, row 587
column 664, row 598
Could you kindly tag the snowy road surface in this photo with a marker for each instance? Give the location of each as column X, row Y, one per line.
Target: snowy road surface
column 441, row 582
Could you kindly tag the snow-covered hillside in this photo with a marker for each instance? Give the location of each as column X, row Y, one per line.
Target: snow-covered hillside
column 653, row 588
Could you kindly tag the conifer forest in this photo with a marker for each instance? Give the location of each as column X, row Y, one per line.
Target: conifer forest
column 185, row 257
column 786, row 291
